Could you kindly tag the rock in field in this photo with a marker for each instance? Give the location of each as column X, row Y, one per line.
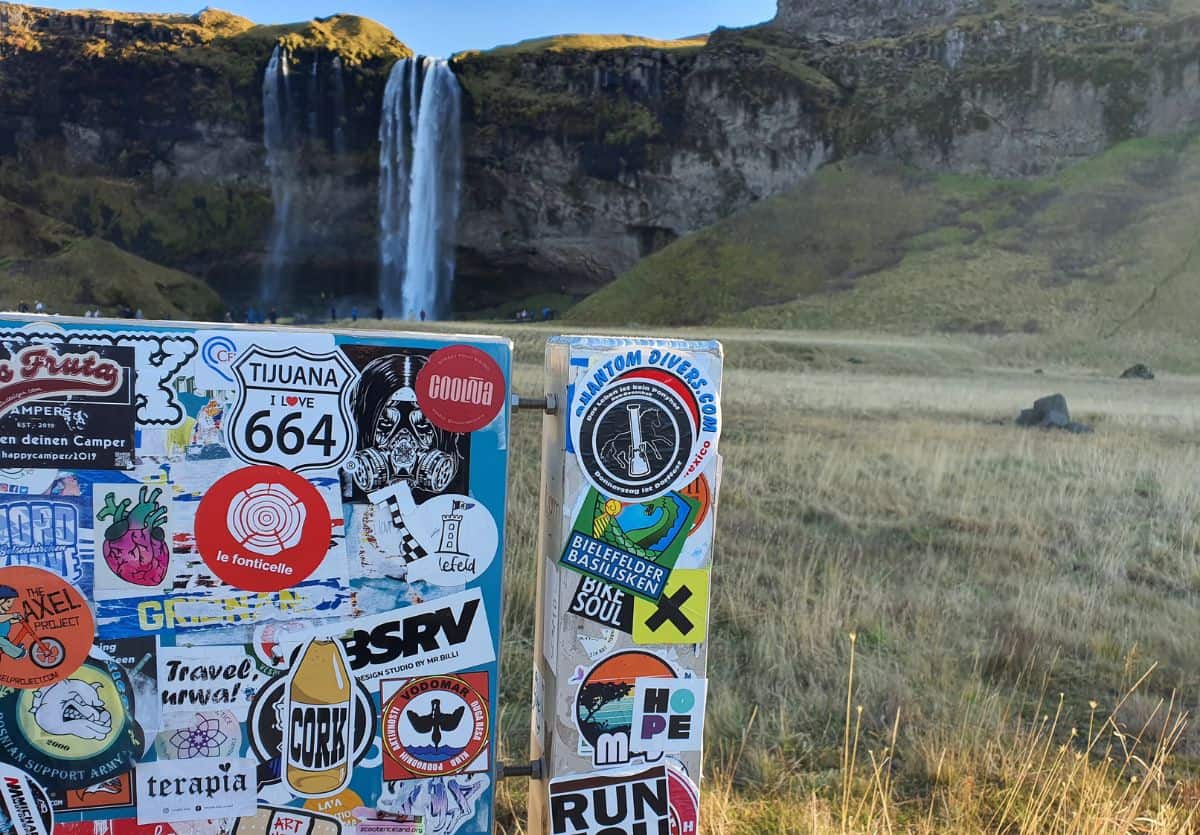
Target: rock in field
column 1051, row 412
column 1139, row 371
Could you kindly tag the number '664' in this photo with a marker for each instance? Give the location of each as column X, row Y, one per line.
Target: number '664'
column 287, row 434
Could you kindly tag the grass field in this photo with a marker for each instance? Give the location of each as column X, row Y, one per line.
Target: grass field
column 1022, row 606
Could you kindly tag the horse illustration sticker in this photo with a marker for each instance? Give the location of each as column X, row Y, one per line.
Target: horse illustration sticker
column 46, row 627
column 643, row 423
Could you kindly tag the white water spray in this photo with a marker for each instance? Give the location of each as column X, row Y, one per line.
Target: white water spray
column 420, row 164
column 277, row 137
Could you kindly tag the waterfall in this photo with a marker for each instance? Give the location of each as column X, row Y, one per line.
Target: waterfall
column 314, row 97
column 277, row 138
column 339, row 108
column 420, row 165
column 393, row 187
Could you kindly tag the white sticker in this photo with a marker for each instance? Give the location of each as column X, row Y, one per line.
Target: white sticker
column 207, row 678
column 196, row 789
column 293, row 408
column 449, row 540
column 213, row 368
column 444, row 635
column 581, row 805
column 668, row 715
column 133, row 540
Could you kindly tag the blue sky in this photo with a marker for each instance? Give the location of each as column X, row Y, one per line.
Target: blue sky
column 440, row 27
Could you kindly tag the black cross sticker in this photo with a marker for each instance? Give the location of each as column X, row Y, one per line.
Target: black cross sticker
column 671, row 609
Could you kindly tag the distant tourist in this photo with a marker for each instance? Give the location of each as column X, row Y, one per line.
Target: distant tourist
column 273, row 315
column 38, row 307
column 354, row 314
column 23, row 307
column 422, row 315
column 332, row 313
column 140, row 314
column 379, row 312
column 228, row 316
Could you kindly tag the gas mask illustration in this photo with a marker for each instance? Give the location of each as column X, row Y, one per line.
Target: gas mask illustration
column 396, row 441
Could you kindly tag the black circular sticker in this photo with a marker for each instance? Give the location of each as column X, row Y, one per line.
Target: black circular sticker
column 636, row 438
column 24, row 807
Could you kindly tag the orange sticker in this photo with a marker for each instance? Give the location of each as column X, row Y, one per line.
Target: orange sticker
column 700, row 491
column 46, row 628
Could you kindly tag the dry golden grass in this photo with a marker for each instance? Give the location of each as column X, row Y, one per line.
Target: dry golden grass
column 1024, row 603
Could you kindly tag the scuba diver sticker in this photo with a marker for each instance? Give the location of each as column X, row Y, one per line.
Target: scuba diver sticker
column 46, row 627
column 435, row 725
column 293, row 408
column 643, row 423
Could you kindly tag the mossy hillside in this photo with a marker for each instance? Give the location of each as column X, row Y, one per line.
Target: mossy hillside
column 1104, row 246
column 45, row 259
column 580, row 89
column 186, row 224
column 589, row 43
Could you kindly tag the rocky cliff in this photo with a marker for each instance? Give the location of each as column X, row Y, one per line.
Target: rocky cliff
column 583, row 153
column 585, row 157
column 146, row 130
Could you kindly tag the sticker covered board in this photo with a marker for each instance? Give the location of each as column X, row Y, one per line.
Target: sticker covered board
column 233, row 561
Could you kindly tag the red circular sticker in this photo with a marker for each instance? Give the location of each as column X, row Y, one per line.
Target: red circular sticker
column 460, row 389
column 263, row 528
column 46, row 627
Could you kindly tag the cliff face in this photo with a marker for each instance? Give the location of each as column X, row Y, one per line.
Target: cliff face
column 583, row 158
column 862, row 19
column 583, row 154
column 147, row 130
column 580, row 161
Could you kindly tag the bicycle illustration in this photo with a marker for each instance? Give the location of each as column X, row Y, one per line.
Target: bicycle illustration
column 15, row 632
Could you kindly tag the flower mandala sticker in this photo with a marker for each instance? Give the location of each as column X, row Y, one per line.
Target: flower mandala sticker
column 203, row 734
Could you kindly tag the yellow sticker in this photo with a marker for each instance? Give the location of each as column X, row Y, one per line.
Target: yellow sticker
column 680, row 616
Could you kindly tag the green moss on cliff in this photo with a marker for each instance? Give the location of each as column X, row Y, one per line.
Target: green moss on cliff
column 189, row 222
column 41, row 258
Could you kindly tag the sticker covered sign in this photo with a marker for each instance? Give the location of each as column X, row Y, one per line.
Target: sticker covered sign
column 250, row 581
column 631, row 470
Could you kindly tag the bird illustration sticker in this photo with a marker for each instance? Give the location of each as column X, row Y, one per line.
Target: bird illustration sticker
column 435, row 726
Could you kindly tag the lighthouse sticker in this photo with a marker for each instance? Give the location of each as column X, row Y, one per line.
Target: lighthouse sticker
column 450, row 540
